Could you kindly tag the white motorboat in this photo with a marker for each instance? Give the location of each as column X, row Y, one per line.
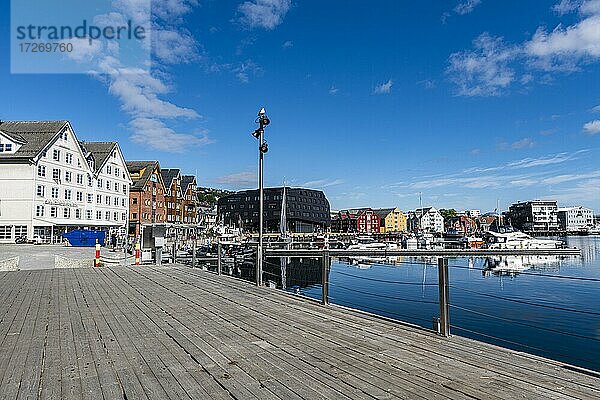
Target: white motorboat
column 512, row 239
column 367, row 243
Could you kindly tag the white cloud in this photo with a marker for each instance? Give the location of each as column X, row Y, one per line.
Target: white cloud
column 384, row 88
column 592, row 127
column 566, row 6
column 490, row 68
column 267, row 14
column 323, row 183
column 155, row 134
column 240, row 179
column 287, row 44
column 174, row 47
column 547, row 160
column 596, row 109
column 466, row 6
column 427, row 83
column 484, row 71
column 333, row 90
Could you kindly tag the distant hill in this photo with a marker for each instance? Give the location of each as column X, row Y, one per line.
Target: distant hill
column 210, row 196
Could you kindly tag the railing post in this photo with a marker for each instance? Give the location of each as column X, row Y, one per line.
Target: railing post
column 325, row 278
column 444, row 296
column 259, row 255
column 219, row 266
column 194, row 253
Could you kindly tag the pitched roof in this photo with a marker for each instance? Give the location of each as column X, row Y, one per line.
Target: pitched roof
column 135, row 167
column 383, row 212
column 187, row 180
column 34, row 136
column 168, row 175
column 99, row 150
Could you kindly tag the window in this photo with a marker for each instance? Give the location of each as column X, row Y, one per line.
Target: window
column 107, row 215
column 56, row 155
column 90, row 197
column 108, row 185
column 5, row 232
column 56, row 174
column 78, row 213
column 69, row 158
column 68, row 194
column 79, row 196
column 123, row 216
column 108, row 170
column 5, row 147
column 42, row 171
column 99, row 198
column 124, row 189
column 39, row 211
column 53, row 212
column 98, row 215
column 116, row 202
column 80, row 179
column 99, row 183
column 116, row 216
column 67, row 212
column 41, row 191
column 89, row 180
column 116, row 186
column 123, row 202
column 88, row 214
column 117, row 171
column 68, row 176
column 107, row 200
column 134, row 200
column 134, row 216
column 55, row 193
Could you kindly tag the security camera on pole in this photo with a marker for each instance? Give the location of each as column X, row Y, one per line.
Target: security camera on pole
column 263, row 147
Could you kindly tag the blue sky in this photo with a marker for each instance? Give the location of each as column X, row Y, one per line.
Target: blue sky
column 464, row 101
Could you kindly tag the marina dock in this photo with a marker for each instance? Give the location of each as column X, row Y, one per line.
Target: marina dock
column 179, row 333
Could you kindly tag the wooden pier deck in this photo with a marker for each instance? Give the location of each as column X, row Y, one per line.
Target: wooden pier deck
column 177, row 333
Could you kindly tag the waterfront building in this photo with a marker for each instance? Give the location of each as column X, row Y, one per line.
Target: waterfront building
column 535, row 215
column 147, row 195
column 307, row 210
column 189, row 200
column 391, row 220
column 426, row 219
column 356, row 220
column 575, row 219
column 462, row 224
column 485, row 222
column 50, row 183
column 172, row 179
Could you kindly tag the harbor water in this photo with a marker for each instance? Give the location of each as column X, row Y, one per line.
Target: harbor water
column 541, row 305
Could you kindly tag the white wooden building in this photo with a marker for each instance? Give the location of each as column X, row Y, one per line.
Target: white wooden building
column 50, row 183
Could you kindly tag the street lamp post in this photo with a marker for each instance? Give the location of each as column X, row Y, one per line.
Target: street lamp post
column 259, row 133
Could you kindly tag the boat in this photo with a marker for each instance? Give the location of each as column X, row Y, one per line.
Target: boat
column 594, row 231
column 368, row 243
column 513, row 239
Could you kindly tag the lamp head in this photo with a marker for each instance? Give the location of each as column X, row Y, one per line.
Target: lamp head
column 256, row 133
column 262, row 112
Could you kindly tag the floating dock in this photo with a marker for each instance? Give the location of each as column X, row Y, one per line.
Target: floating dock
column 179, row 333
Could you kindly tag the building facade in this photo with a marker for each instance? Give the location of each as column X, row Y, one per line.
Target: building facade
column 391, row 220
column 356, row 220
column 146, row 196
column 307, row 210
column 172, row 179
column 426, row 219
column 575, row 219
column 50, row 183
column 189, row 200
column 535, row 215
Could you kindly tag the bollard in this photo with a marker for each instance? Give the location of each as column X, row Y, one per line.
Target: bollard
column 219, row 266
column 97, row 259
column 174, row 253
column 444, row 293
column 194, row 253
column 325, row 278
column 137, row 252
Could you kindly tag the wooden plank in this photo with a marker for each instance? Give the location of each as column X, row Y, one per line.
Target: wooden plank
column 50, row 381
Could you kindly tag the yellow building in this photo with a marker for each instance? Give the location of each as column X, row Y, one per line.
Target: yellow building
column 392, row 220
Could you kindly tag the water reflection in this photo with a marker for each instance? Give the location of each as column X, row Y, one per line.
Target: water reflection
column 513, row 265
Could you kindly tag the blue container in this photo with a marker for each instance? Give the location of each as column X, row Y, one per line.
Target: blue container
column 84, row 238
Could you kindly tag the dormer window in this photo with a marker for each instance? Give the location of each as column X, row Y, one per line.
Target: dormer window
column 5, row 148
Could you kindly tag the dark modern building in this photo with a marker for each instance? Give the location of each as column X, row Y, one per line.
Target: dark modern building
column 535, row 215
column 307, row 210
